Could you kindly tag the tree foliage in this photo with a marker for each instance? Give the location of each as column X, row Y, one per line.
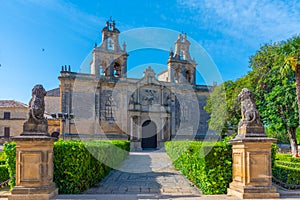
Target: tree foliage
column 224, row 107
column 273, row 80
column 276, row 89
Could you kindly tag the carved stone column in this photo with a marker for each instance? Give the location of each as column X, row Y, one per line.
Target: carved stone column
column 139, row 126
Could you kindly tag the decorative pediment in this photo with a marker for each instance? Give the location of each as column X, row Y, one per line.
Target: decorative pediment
column 149, row 77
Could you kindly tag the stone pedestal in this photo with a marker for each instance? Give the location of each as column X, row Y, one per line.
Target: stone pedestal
column 251, row 168
column 34, row 168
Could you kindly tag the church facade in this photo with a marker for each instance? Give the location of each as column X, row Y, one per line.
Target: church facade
column 149, row 110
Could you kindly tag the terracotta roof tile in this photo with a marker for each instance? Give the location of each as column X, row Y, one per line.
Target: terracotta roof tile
column 12, row 104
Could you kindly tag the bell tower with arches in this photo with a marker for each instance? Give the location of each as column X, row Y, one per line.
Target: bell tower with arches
column 109, row 59
column 181, row 68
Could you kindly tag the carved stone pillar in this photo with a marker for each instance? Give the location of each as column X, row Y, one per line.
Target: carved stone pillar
column 34, row 154
column 251, row 155
column 162, row 130
column 251, row 169
column 131, row 128
column 34, row 168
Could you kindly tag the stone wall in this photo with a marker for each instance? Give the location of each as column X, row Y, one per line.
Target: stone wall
column 17, row 118
column 52, row 104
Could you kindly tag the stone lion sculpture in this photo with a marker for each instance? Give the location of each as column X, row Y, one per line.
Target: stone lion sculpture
column 249, row 111
column 37, row 103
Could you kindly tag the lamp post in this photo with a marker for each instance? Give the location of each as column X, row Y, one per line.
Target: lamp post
column 63, row 117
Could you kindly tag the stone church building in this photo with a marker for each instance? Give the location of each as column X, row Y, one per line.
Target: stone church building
column 149, row 110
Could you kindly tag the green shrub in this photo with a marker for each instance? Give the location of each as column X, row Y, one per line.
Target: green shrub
column 207, row 165
column 77, row 164
column 78, row 167
column 2, row 158
column 288, row 164
column 288, row 176
column 4, row 175
column 287, row 158
column 273, row 153
column 10, row 152
column 286, row 171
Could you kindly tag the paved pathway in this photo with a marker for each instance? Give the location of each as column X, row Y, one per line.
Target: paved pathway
column 143, row 175
column 146, row 173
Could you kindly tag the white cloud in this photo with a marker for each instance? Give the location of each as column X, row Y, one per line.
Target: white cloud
column 259, row 20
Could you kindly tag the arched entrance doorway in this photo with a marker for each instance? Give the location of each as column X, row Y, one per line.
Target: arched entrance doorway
column 149, row 135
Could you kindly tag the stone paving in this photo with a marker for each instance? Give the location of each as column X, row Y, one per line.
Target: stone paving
column 147, row 172
column 146, row 175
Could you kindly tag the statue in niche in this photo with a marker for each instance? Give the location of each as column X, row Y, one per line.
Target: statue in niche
column 37, row 103
column 250, row 115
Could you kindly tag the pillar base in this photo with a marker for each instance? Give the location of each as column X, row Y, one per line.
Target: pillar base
column 34, row 168
column 251, row 169
column 33, row 193
column 254, row 192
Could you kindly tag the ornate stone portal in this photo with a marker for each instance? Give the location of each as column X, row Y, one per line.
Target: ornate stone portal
column 34, row 159
column 251, row 154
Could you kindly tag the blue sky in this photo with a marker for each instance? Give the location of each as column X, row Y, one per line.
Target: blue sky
column 38, row 37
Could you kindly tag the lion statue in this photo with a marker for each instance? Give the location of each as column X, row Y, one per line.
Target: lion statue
column 249, row 111
column 37, row 103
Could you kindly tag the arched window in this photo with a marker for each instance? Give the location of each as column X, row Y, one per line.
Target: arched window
column 110, row 44
column 108, row 109
column 117, row 70
column 182, row 57
column 188, row 76
column 102, row 71
column 105, row 72
column 177, row 76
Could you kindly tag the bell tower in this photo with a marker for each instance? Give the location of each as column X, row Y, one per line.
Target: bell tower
column 181, row 68
column 109, row 59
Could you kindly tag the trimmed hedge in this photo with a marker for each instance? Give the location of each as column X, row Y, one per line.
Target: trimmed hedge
column 77, row 164
column 287, row 158
column 10, row 152
column 2, row 158
column 289, row 176
column 286, row 171
column 4, row 175
column 207, row 165
column 288, row 164
column 3, row 169
column 274, row 149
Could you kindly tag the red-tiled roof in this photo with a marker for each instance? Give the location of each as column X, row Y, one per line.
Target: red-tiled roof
column 54, row 92
column 12, row 104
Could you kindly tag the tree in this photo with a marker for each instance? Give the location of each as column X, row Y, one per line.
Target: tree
column 289, row 55
column 289, row 60
column 216, row 107
column 275, row 70
column 276, row 100
column 223, row 106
